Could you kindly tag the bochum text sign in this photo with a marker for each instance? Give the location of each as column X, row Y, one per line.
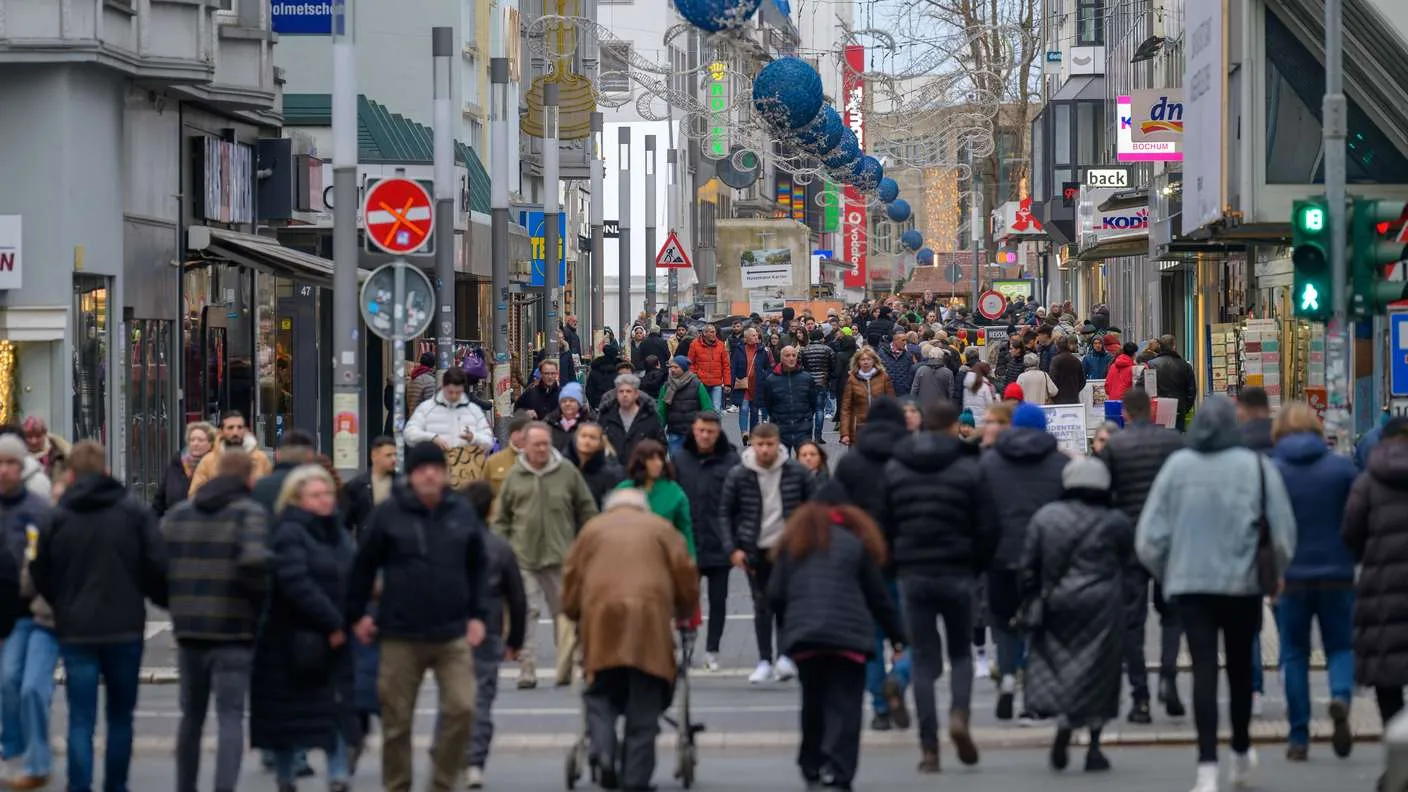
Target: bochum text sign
column 302, row 17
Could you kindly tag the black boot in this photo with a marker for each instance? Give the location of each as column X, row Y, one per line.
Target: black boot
column 1095, row 761
column 1168, row 696
column 1139, row 713
column 1061, row 749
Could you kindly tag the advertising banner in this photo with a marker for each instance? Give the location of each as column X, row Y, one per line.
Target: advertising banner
column 537, row 235
column 1067, row 422
column 770, row 267
column 1205, row 80
column 1150, row 126
column 855, row 231
column 301, row 17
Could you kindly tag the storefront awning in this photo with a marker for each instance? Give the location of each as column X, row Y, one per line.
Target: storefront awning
column 1133, row 245
column 263, row 253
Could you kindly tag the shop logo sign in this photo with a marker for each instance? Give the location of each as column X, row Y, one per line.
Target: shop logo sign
column 1139, row 221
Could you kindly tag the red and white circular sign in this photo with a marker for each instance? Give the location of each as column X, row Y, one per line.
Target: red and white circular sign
column 992, row 305
column 398, row 215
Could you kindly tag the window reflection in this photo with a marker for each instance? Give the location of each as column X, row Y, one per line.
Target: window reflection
column 92, row 326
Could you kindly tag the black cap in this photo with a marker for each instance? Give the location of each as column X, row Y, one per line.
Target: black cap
column 427, row 358
column 422, row 454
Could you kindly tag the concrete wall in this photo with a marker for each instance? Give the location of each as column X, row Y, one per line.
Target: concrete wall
column 152, row 168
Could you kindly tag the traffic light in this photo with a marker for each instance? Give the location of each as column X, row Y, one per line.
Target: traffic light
column 1310, row 255
column 1374, row 227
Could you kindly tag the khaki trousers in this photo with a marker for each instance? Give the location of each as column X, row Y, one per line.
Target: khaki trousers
column 546, row 584
column 403, row 667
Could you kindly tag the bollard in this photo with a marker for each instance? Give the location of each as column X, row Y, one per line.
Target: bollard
column 1396, row 755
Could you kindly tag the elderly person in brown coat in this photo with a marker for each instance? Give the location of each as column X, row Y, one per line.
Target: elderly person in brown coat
column 626, row 581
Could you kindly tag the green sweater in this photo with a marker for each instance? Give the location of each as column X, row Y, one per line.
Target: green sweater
column 667, row 500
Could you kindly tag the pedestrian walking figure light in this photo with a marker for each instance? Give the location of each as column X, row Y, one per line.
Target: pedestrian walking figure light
column 1310, row 231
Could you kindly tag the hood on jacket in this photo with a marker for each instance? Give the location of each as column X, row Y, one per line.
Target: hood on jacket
column 420, row 369
column 554, row 462
column 876, row 440
column 93, row 493
column 1215, row 426
column 1389, row 464
column 750, row 461
column 1301, row 448
column 218, row 493
column 1023, row 446
column 1122, row 361
column 930, row 452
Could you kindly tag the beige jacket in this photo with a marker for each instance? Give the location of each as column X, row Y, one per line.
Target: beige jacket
column 205, row 471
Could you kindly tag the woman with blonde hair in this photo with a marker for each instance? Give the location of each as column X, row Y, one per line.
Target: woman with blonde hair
column 302, row 686
column 866, row 383
column 175, row 481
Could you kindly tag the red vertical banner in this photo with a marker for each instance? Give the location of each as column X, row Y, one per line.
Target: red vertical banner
column 854, row 227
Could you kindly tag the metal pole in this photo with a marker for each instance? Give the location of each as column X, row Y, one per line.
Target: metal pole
column 552, row 240
column 498, row 229
column 347, row 368
column 398, row 341
column 623, row 259
column 672, row 157
column 442, row 47
column 1339, row 372
column 595, row 212
column 650, row 177
column 975, row 229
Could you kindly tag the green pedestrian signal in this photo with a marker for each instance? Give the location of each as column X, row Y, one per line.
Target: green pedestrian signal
column 1310, row 233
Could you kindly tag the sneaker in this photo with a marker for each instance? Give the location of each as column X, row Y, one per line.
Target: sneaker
column 981, row 667
column 474, row 778
column 1139, row 713
column 1028, row 718
column 962, row 737
column 881, row 722
column 1258, row 706
column 894, row 698
column 527, row 682
column 12, row 768
column 1004, row 706
column 1341, row 739
column 1295, row 752
column 1207, row 778
column 1168, row 696
column 761, row 674
column 27, row 782
column 786, row 670
column 711, row 663
column 928, row 761
column 1242, row 767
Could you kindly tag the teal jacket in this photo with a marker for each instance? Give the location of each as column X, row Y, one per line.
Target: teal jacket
column 668, row 500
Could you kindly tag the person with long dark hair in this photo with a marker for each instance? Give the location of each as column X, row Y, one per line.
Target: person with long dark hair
column 837, row 550
column 650, row 470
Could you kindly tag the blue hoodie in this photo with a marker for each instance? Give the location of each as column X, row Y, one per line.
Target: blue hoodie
column 1318, row 483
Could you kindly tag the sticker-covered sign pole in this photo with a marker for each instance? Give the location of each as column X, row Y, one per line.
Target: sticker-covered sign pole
column 498, row 230
column 552, row 240
column 349, row 447
column 442, row 44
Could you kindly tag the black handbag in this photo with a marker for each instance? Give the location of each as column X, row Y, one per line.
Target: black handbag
column 309, row 654
column 1267, row 577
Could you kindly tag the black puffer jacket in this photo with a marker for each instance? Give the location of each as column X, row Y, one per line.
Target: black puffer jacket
column 820, row 361
column 862, row 471
column 602, row 472
column 1021, row 473
column 832, row 599
column 1175, row 379
column 601, row 376
column 787, row 396
column 1135, row 456
column 645, row 426
column 1376, row 531
column 702, row 477
column 936, row 524
column 741, row 504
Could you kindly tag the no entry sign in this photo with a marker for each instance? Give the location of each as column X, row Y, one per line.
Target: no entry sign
column 398, row 215
column 992, row 305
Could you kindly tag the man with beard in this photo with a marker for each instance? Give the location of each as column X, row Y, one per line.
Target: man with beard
column 234, row 433
column 541, row 398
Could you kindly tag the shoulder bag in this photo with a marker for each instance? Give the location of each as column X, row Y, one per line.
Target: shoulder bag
column 1267, row 578
column 1032, row 613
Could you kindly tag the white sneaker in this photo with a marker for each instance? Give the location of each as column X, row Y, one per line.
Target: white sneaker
column 981, row 667
column 761, row 674
column 1242, row 767
column 711, row 662
column 1207, row 778
column 786, row 669
column 1258, row 706
column 474, row 778
column 12, row 768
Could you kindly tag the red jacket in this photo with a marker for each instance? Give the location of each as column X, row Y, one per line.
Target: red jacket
column 1119, row 378
column 709, row 362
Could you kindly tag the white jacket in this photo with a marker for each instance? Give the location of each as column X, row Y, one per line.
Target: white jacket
column 438, row 418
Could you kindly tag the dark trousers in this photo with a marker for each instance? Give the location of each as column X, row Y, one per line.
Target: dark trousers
column 641, row 699
column 1390, row 701
column 926, row 600
column 718, row 605
column 1137, row 595
column 1235, row 620
column 763, row 617
column 833, row 695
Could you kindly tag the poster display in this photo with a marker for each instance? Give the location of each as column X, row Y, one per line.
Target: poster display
column 1226, row 368
column 1067, row 422
column 1094, row 398
column 1261, row 357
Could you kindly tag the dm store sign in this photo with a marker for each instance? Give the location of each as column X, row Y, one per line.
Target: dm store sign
column 302, row 17
column 1151, row 126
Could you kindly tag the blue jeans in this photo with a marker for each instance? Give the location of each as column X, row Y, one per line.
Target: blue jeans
column 716, row 395
column 676, row 442
column 287, row 763
column 26, row 691
column 1333, row 608
column 875, row 666
column 749, row 415
column 820, row 400
column 117, row 666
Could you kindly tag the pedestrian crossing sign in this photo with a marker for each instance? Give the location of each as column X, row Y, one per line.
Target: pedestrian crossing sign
column 672, row 255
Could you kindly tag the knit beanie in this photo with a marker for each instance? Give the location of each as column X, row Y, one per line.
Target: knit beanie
column 422, row 454
column 13, row 448
column 681, row 361
column 1013, row 391
column 1085, row 473
column 572, row 391
column 1029, row 416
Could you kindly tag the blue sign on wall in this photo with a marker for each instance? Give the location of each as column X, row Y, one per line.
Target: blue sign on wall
column 1398, row 348
column 302, row 17
column 537, row 235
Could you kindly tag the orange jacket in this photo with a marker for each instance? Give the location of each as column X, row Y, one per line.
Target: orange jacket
column 710, row 362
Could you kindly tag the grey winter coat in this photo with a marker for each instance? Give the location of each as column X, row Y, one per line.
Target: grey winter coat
column 933, row 380
column 1074, row 560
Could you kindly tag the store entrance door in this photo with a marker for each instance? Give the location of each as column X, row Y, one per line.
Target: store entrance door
column 297, row 368
column 213, row 358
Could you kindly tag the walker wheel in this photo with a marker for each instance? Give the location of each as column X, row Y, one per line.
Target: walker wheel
column 686, row 768
column 574, row 771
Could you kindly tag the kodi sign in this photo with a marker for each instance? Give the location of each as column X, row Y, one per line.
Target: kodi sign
column 854, row 228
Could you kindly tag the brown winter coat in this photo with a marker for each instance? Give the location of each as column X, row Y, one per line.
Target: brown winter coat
column 857, row 395
column 626, row 580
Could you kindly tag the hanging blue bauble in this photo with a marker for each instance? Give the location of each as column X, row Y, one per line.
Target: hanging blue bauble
column 845, row 153
column 868, row 173
column 925, row 257
column 787, row 93
column 715, row 15
column 912, row 239
column 823, row 134
column 888, row 190
column 899, row 210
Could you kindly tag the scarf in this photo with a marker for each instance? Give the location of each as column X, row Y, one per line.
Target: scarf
column 676, row 384
column 867, row 375
column 189, row 463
